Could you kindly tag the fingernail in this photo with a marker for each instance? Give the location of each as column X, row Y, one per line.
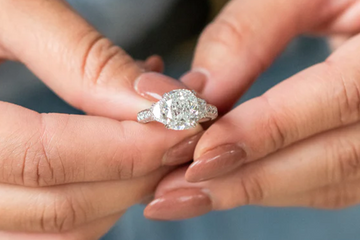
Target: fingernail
column 179, row 204
column 216, row 162
column 196, row 79
column 181, row 152
column 153, row 85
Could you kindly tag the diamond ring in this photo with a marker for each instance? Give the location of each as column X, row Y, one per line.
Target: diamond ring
column 179, row 110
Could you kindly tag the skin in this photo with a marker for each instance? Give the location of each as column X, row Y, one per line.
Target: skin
column 68, row 176
column 299, row 140
column 89, row 72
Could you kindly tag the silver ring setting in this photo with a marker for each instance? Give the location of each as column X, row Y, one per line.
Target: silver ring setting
column 179, row 109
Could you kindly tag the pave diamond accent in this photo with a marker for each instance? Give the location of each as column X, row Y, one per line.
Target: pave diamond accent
column 145, row 116
column 211, row 111
column 179, row 109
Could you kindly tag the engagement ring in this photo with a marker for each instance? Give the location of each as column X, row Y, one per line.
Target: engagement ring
column 179, row 110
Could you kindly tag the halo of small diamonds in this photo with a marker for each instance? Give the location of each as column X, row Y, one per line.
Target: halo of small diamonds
column 178, row 110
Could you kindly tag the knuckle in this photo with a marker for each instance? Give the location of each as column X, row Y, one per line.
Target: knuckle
column 101, row 59
column 42, row 163
column 32, row 162
column 61, row 214
column 343, row 160
column 123, row 163
column 252, row 191
column 345, row 91
column 50, row 168
column 34, row 170
column 350, row 161
column 126, row 168
column 273, row 125
column 62, row 217
column 13, row 165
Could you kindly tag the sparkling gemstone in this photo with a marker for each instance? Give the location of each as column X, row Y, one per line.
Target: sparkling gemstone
column 179, row 109
column 144, row 115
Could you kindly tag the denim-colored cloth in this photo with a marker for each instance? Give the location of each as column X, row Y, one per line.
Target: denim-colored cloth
column 119, row 19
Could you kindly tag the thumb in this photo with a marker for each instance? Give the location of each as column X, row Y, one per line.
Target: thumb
column 75, row 60
column 246, row 37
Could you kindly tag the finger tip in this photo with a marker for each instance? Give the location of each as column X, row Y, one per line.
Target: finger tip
column 196, row 79
column 179, row 204
column 150, row 210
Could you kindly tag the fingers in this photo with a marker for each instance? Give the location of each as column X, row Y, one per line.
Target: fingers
column 64, row 208
column 318, row 99
column 347, row 22
column 72, row 58
column 177, row 199
column 327, row 159
column 241, row 42
column 49, row 149
column 336, row 196
column 246, row 37
column 91, row 231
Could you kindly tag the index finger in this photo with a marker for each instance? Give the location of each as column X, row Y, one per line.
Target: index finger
column 83, row 67
column 49, row 149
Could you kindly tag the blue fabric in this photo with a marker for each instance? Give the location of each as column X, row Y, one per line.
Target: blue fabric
column 246, row 223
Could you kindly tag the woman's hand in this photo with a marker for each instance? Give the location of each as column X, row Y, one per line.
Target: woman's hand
column 74, row 175
column 71, row 177
column 296, row 145
column 248, row 34
column 75, row 60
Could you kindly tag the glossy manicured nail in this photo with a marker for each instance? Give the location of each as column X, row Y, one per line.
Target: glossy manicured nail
column 182, row 152
column 153, row 85
column 179, row 204
column 196, row 79
column 216, row 162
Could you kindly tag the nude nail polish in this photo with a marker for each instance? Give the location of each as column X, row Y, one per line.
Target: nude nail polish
column 216, row 162
column 182, row 152
column 179, row 204
column 153, row 85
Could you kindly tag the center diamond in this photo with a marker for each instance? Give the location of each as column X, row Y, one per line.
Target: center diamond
column 178, row 110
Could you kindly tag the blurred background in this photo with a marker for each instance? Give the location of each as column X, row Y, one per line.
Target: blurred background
column 170, row 28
